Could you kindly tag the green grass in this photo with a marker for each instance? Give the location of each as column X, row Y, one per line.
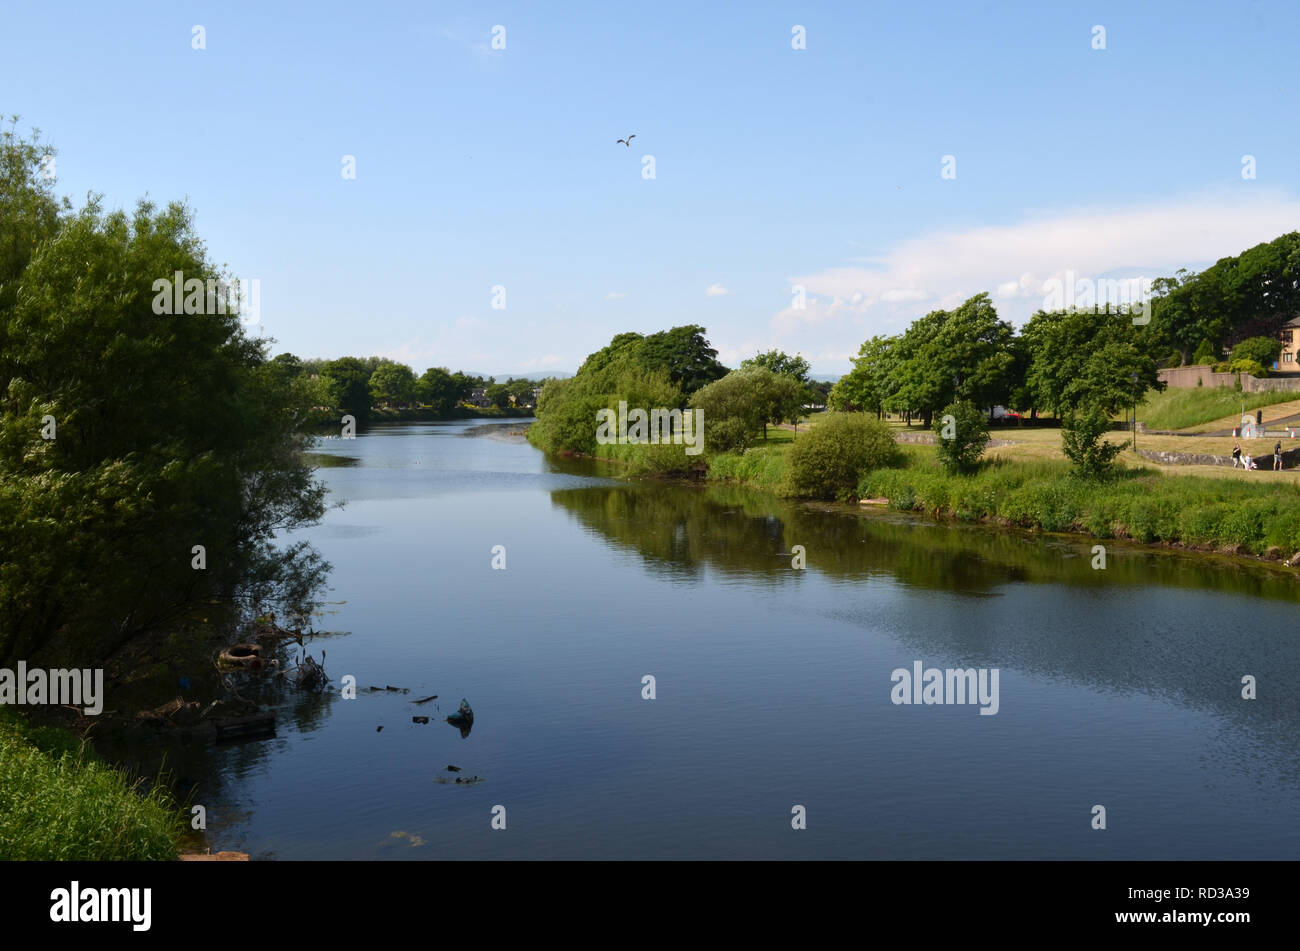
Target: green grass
column 763, row 467
column 1139, row 503
column 58, row 801
column 1190, row 406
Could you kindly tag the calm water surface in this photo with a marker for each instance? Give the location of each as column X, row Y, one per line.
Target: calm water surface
column 1119, row 687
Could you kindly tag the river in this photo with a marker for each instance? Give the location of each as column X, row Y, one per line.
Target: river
column 1119, row 687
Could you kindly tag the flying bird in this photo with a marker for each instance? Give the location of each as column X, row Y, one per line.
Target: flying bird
column 627, row 141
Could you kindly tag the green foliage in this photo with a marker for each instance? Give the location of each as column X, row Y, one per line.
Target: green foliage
column 437, row 388
column 1081, row 441
column 778, row 361
column 682, row 352
column 1135, row 503
column 1262, row 350
column 1088, row 357
column 1255, row 369
column 743, row 402
column 1181, row 407
column 392, row 384
column 60, row 803
column 965, row 354
column 172, row 431
column 763, row 467
column 1248, row 295
column 347, row 386
column 1206, row 353
column 873, row 379
column 567, row 409
column 961, row 444
column 828, row 460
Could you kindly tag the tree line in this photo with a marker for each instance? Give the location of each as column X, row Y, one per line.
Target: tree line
column 355, row 385
column 675, row 369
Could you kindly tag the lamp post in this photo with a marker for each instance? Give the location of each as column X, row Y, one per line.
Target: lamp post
column 1134, row 378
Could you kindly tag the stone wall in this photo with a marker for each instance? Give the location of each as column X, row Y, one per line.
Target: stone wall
column 1263, row 457
column 1186, row 377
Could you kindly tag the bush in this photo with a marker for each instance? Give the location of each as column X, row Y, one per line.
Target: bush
column 963, row 433
column 1206, row 353
column 829, row 460
column 1253, row 367
column 1261, row 350
column 1083, row 445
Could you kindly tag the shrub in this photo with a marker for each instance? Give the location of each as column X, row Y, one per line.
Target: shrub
column 829, row 460
column 1261, row 350
column 963, row 433
column 1205, row 353
column 1083, row 445
column 1253, row 367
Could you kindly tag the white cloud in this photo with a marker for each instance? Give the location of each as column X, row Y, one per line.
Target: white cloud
column 615, row 295
column 715, row 290
column 944, row 268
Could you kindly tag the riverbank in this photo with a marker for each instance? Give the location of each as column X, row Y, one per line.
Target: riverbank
column 323, row 418
column 1197, row 512
column 62, row 802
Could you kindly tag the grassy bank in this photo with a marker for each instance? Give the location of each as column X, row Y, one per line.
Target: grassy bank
column 1221, row 513
column 58, row 801
column 1196, row 407
column 1142, row 504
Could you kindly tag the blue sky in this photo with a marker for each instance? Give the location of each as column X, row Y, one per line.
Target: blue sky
column 774, row 167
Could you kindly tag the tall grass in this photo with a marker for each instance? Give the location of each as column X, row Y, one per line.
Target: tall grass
column 1138, row 503
column 58, row 801
column 1184, row 407
column 763, row 467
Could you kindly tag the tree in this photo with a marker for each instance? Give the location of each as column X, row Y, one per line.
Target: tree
column 438, row 388
column 521, row 391
column 686, row 356
column 498, row 395
column 963, row 433
column 347, row 382
column 778, row 361
column 965, row 354
column 1089, row 357
column 682, row 352
column 287, row 365
column 173, row 431
column 736, row 407
column 872, row 381
column 392, row 384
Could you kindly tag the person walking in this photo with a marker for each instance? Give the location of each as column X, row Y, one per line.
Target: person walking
column 1277, row 456
column 1236, row 454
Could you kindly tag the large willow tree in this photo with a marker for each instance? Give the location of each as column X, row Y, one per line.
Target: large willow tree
column 127, row 437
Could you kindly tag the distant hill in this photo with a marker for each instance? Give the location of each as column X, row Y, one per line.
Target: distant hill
column 558, row 374
column 502, row 377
